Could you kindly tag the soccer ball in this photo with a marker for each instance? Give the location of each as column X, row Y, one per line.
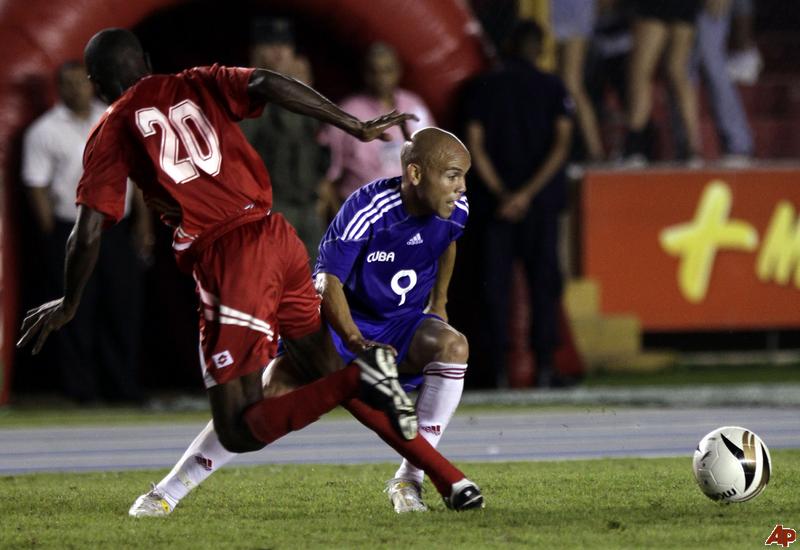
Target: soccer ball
column 732, row 464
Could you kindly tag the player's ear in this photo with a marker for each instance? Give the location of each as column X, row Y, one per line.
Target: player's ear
column 414, row 173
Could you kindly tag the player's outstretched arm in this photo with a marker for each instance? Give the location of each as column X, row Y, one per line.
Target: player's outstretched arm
column 83, row 247
column 295, row 96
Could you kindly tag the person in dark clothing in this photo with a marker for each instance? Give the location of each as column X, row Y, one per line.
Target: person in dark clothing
column 519, row 132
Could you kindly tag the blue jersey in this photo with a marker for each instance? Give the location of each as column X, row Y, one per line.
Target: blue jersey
column 386, row 259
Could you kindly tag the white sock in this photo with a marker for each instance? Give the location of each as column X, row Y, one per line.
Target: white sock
column 438, row 399
column 204, row 456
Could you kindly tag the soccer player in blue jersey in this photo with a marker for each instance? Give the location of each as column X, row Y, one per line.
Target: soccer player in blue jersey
column 383, row 271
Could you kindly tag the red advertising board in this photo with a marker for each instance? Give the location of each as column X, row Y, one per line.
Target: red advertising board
column 695, row 249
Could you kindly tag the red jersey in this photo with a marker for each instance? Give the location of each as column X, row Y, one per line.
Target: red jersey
column 177, row 138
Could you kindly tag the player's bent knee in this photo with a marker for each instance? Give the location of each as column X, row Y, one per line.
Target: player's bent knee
column 454, row 348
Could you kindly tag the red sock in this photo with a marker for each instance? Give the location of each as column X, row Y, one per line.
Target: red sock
column 273, row 417
column 417, row 451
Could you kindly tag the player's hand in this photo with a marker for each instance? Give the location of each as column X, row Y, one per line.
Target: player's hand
column 372, row 344
column 42, row 321
column 359, row 344
column 376, row 128
column 514, row 206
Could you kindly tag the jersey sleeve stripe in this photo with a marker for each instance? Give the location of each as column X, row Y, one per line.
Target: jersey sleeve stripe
column 363, row 215
column 462, row 206
column 378, row 216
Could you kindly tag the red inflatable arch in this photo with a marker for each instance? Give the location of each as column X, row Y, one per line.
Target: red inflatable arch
column 437, row 42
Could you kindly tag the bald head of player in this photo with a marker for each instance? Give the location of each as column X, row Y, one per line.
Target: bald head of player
column 435, row 163
column 115, row 61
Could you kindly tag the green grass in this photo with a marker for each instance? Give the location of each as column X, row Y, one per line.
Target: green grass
column 46, row 416
column 620, row 503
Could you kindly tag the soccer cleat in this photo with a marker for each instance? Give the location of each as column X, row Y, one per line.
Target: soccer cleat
column 465, row 495
column 152, row 504
column 381, row 389
column 405, row 495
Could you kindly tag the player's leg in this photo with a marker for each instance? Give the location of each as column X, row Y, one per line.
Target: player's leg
column 239, row 326
column 458, row 492
column 205, row 453
column 314, row 354
column 440, row 353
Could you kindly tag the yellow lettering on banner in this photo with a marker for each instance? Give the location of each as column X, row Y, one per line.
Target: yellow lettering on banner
column 780, row 253
column 696, row 243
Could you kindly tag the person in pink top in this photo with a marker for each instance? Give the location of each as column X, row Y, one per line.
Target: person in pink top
column 354, row 163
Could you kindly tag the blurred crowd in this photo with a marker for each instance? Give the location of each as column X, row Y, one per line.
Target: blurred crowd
column 523, row 126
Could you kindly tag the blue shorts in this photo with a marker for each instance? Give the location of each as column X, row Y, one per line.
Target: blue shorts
column 397, row 333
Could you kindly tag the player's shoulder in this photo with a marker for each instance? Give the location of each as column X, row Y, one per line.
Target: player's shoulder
column 375, row 202
column 366, row 194
column 199, row 72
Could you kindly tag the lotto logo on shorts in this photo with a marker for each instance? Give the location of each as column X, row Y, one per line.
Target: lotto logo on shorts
column 222, row 359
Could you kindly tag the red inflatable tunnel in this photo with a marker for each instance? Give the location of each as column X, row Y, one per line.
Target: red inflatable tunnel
column 437, row 42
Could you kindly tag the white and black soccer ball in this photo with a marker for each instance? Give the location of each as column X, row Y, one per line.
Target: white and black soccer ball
column 732, row 464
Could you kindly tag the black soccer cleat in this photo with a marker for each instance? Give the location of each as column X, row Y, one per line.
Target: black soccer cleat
column 465, row 495
column 381, row 389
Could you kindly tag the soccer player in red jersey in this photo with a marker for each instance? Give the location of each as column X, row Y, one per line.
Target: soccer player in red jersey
column 176, row 136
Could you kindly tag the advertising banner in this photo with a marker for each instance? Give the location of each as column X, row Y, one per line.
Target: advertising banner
column 695, row 249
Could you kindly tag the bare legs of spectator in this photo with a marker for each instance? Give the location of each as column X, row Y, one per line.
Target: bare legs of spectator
column 650, row 37
column 572, row 58
column 678, row 57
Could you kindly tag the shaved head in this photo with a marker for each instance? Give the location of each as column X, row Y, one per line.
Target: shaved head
column 429, row 145
column 434, row 165
column 115, row 60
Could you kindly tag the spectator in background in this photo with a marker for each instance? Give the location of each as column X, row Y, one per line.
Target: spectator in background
column 519, row 130
column 97, row 354
column 713, row 26
column 286, row 141
column 353, row 162
column 573, row 22
column 660, row 26
column 607, row 68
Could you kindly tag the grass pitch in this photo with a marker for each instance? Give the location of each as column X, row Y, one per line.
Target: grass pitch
column 619, row 503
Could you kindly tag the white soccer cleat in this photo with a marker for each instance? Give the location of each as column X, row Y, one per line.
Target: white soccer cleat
column 405, row 495
column 152, row 504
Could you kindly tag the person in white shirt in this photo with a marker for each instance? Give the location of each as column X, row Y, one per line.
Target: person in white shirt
column 96, row 355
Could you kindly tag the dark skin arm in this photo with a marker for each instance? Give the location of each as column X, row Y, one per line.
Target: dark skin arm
column 83, row 247
column 293, row 95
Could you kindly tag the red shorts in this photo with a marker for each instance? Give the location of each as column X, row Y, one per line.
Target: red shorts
column 254, row 283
